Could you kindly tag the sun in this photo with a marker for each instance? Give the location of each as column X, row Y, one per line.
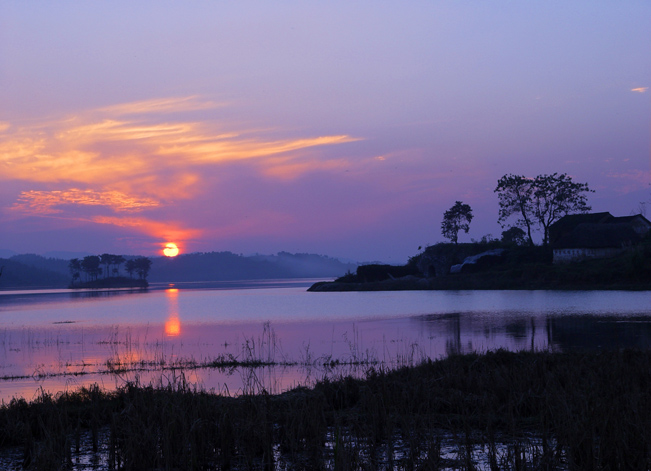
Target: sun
column 171, row 250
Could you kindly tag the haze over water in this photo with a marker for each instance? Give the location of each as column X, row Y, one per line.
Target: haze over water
column 49, row 338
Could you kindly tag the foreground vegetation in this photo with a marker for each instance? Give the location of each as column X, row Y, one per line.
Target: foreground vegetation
column 494, row 411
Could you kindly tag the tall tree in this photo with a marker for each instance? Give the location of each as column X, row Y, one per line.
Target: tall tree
column 542, row 200
column 117, row 261
column 556, row 196
column 455, row 219
column 130, row 267
column 90, row 266
column 142, row 266
column 515, row 193
column 106, row 259
column 75, row 268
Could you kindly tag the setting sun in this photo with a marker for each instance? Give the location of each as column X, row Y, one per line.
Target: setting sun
column 171, row 250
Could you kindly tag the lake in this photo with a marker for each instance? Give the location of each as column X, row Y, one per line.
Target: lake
column 274, row 335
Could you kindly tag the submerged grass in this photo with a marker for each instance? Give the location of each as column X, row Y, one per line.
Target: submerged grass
column 499, row 410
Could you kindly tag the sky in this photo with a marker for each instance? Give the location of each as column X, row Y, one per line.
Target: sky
column 340, row 128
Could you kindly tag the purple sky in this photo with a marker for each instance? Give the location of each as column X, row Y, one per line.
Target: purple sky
column 341, row 128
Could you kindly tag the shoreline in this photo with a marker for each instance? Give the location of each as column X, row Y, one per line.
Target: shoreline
column 453, row 283
column 107, row 283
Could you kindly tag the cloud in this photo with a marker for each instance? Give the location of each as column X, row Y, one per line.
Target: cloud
column 290, row 169
column 215, row 150
column 640, row 89
column 161, row 105
column 49, row 202
column 143, row 156
column 169, row 231
column 632, row 181
column 112, row 150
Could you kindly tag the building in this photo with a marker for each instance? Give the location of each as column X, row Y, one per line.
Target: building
column 595, row 235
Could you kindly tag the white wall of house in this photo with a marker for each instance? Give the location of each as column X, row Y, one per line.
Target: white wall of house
column 573, row 255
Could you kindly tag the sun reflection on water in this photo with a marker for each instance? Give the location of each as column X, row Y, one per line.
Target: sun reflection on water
column 173, row 323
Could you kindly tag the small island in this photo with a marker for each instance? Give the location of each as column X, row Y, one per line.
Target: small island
column 103, row 271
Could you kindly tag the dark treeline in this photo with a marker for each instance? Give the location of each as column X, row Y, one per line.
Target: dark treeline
column 29, row 270
column 94, row 267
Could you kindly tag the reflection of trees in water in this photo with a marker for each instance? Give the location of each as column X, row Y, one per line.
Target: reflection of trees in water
column 461, row 329
column 458, row 331
column 517, row 329
column 104, row 293
column 600, row 332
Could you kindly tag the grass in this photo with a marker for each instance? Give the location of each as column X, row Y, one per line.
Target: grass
column 499, row 410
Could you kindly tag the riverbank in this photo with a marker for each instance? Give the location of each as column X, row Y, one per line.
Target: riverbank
column 519, row 271
column 501, row 410
column 112, row 282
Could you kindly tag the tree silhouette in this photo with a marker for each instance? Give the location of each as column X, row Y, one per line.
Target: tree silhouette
column 542, row 200
column 142, row 266
column 130, row 267
column 117, row 260
column 106, row 259
column 90, row 266
column 514, row 236
column 455, row 219
column 556, row 196
column 75, row 268
column 515, row 193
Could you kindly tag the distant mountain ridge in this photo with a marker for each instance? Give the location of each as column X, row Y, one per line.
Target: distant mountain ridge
column 17, row 274
column 36, row 271
column 223, row 266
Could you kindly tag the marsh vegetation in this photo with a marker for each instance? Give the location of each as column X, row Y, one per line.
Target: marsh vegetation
column 499, row 410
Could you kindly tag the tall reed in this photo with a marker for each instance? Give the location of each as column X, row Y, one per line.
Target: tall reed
column 499, row 410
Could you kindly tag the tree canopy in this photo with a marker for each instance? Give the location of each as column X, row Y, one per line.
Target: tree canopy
column 540, row 201
column 91, row 266
column 455, row 219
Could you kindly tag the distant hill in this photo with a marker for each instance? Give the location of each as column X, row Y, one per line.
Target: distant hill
column 32, row 271
column 65, row 255
column 43, row 263
column 18, row 275
column 222, row 266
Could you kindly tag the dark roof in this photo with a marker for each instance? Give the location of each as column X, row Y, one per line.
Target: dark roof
column 568, row 223
column 630, row 219
column 598, row 236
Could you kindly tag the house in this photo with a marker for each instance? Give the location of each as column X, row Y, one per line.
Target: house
column 595, row 235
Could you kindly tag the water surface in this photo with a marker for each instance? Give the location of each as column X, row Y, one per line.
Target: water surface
column 61, row 339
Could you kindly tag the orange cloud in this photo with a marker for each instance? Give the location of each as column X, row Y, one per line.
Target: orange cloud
column 289, row 169
column 640, row 89
column 157, row 229
column 45, row 202
column 215, row 151
column 108, row 150
column 140, row 156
